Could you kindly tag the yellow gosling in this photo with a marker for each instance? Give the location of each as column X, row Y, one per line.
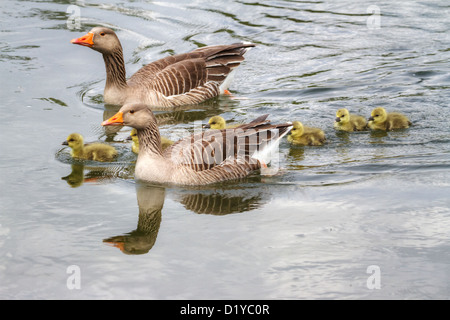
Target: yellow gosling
column 306, row 136
column 135, row 145
column 218, row 123
column 93, row 151
column 382, row 120
column 346, row 121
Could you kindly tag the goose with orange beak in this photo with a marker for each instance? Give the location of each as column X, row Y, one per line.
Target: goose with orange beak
column 208, row 157
column 181, row 79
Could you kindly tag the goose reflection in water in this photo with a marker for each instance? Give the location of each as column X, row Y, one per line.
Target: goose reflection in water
column 220, row 202
column 150, row 199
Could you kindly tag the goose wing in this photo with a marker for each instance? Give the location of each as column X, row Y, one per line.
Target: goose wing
column 226, row 149
column 198, row 72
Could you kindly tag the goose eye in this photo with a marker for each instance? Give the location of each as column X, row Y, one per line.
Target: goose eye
column 131, row 111
column 102, row 34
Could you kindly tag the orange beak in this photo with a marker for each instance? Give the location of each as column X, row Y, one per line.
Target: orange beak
column 116, row 244
column 87, row 40
column 115, row 120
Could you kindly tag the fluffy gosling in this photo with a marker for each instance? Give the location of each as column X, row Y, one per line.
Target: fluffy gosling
column 346, row 121
column 306, row 136
column 382, row 120
column 92, row 151
column 218, row 123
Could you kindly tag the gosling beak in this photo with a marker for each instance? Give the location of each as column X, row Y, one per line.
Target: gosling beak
column 206, row 126
column 115, row 120
column 371, row 119
column 65, row 143
column 129, row 138
column 87, row 40
column 338, row 119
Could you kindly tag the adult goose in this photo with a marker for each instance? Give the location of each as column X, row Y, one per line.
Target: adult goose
column 182, row 79
column 203, row 158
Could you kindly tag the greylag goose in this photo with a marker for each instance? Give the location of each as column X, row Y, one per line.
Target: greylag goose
column 219, row 123
column 204, row 158
column 92, row 151
column 165, row 143
column 346, row 121
column 306, row 136
column 381, row 120
column 181, row 79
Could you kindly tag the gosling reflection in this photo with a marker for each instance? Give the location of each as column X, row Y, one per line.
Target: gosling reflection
column 296, row 156
column 95, row 174
column 140, row 241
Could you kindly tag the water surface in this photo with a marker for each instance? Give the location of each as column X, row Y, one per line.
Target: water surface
column 309, row 232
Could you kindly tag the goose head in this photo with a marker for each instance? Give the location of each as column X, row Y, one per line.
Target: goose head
column 74, row 141
column 138, row 116
column 101, row 39
column 216, row 122
column 342, row 116
column 378, row 115
column 297, row 129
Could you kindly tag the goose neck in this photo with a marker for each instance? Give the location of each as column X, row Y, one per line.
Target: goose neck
column 150, row 141
column 115, row 69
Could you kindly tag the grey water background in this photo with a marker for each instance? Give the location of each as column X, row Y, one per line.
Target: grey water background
column 367, row 216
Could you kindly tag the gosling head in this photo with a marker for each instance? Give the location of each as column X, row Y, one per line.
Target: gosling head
column 100, row 39
column 297, row 129
column 378, row 115
column 342, row 116
column 74, row 141
column 134, row 136
column 216, row 122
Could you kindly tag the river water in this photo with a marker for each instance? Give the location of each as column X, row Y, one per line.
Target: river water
column 366, row 216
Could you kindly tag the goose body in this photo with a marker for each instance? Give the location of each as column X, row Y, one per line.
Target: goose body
column 381, row 120
column 92, row 151
column 182, row 79
column 306, row 136
column 204, row 158
column 165, row 143
column 346, row 121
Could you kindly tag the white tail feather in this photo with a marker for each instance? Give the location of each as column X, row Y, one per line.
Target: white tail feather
column 269, row 155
